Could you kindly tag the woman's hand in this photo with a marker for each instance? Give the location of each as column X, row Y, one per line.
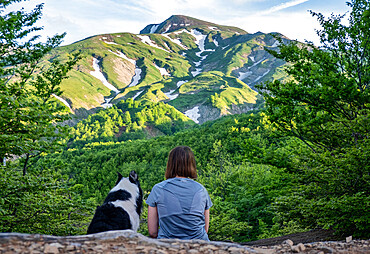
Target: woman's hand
column 153, row 221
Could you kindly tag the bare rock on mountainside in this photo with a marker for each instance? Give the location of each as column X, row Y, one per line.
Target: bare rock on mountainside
column 175, row 22
column 127, row 241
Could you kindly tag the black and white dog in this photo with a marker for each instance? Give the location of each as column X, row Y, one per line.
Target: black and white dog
column 122, row 207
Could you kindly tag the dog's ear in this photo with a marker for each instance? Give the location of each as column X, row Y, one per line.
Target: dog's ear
column 133, row 176
column 119, row 177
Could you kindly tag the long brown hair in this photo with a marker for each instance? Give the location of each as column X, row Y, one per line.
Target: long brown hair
column 181, row 162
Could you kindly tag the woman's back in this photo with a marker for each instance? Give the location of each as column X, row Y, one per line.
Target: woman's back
column 179, row 206
column 181, row 203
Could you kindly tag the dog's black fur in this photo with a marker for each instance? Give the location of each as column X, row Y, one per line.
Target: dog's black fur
column 125, row 199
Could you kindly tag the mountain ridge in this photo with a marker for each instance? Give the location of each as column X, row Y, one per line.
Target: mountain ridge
column 204, row 70
column 176, row 22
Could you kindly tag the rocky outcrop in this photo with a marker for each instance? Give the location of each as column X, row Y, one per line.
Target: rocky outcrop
column 127, row 241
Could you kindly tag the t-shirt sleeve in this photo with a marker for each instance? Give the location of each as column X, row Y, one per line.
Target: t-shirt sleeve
column 208, row 200
column 153, row 196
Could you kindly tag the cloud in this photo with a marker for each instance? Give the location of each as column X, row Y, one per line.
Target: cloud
column 84, row 18
column 282, row 6
column 303, row 27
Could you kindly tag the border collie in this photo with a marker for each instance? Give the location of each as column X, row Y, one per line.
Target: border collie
column 122, row 207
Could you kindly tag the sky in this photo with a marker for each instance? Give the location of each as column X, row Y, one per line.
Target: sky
column 84, row 18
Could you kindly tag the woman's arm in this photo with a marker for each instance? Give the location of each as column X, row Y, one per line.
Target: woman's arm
column 206, row 219
column 153, row 221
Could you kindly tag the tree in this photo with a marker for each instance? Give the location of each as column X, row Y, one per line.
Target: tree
column 127, row 117
column 326, row 105
column 29, row 114
column 34, row 199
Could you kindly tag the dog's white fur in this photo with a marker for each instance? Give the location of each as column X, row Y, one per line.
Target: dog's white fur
column 128, row 205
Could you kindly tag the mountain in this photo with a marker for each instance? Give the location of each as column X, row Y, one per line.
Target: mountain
column 177, row 22
column 202, row 69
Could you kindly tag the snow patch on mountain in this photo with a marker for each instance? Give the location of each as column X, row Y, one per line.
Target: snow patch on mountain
column 107, row 103
column 146, row 39
column 177, row 41
column 215, row 42
column 110, row 42
column 199, row 38
column 199, row 41
column 180, row 83
column 243, row 75
column 193, row 114
column 136, row 95
column 122, row 55
column 170, row 94
column 153, row 29
column 258, row 62
column 136, row 78
column 276, row 43
column 196, row 72
column 168, row 28
column 163, row 71
column 63, row 101
column 181, row 31
column 99, row 75
column 259, row 77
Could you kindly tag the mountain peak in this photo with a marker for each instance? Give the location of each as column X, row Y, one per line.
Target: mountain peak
column 176, row 22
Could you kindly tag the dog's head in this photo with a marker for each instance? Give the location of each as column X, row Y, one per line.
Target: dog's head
column 131, row 184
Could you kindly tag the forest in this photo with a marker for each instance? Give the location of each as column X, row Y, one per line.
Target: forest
column 299, row 163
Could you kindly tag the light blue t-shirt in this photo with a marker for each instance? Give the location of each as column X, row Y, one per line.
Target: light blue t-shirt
column 180, row 204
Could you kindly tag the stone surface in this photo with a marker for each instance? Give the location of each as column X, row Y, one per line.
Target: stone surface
column 289, row 242
column 127, row 241
column 301, row 247
column 348, row 239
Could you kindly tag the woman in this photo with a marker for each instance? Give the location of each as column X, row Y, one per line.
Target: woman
column 179, row 205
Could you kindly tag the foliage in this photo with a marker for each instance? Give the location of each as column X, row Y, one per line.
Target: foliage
column 130, row 120
column 33, row 199
column 242, row 192
column 326, row 105
column 28, row 109
column 41, row 202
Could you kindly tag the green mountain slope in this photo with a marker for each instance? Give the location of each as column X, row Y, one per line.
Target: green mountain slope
column 202, row 69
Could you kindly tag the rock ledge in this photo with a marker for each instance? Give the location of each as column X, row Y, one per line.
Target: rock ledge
column 126, row 241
